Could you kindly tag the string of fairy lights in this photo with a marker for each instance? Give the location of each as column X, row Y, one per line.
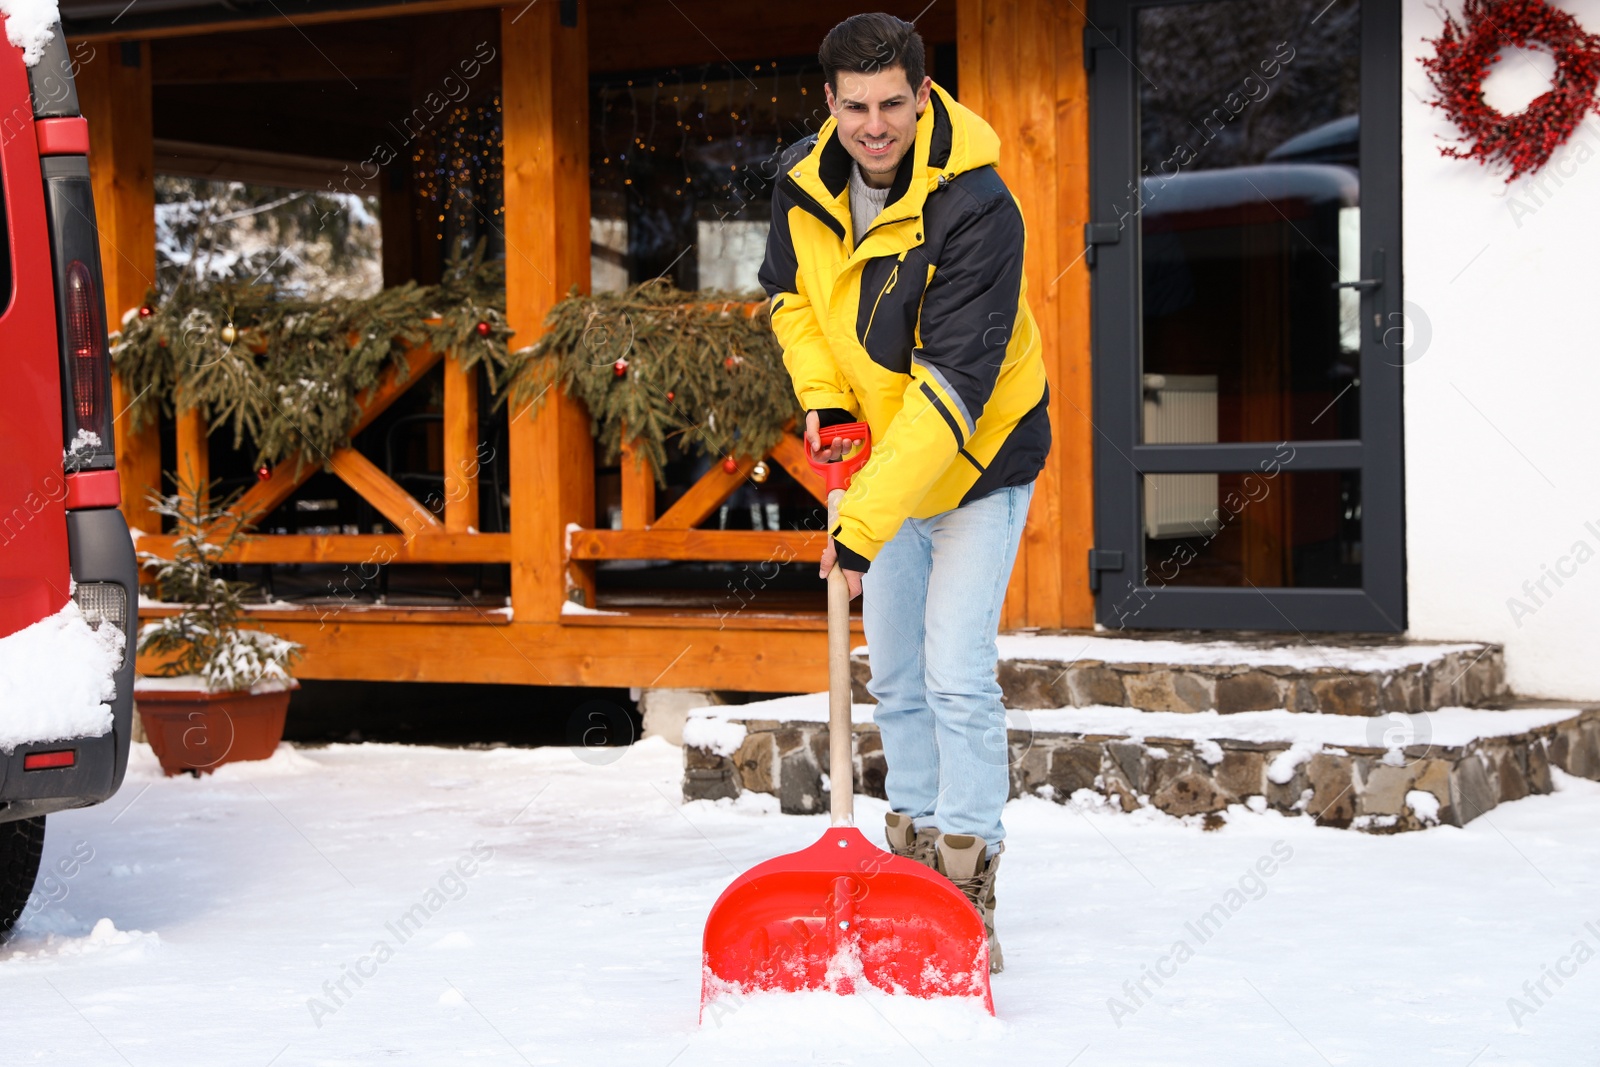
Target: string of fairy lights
column 721, row 118
column 665, row 148
column 459, row 176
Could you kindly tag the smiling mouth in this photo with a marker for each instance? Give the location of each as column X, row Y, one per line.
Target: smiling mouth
column 876, row 148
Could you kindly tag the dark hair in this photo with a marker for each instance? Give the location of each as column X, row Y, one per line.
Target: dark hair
column 866, row 44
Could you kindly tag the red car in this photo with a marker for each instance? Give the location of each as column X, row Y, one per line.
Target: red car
column 61, row 535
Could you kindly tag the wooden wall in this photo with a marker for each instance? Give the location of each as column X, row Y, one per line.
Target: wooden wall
column 1021, row 68
column 114, row 92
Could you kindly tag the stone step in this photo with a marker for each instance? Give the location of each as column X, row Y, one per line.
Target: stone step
column 1193, row 671
column 1382, row 775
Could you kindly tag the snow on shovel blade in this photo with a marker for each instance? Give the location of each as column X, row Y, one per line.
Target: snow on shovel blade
column 841, row 913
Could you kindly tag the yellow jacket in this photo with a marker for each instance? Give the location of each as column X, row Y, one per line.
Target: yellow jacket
column 922, row 329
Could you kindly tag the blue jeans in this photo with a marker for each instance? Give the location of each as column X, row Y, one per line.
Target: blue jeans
column 931, row 610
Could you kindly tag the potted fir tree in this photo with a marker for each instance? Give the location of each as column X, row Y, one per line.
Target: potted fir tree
column 223, row 692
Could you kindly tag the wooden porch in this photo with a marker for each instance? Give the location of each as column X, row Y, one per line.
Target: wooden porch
column 1019, row 63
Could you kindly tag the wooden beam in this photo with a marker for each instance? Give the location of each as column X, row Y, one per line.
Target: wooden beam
column 1071, row 395
column 292, row 471
column 705, row 496
column 193, row 461
column 373, row 549
column 219, row 163
column 659, row 34
column 115, row 96
column 1022, row 70
column 334, row 607
column 545, row 89
column 461, row 460
column 99, row 32
column 755, row 546
column 383, row 493
column 638, row 487
column 791, row 454
column 711, row 653
column 284, row 54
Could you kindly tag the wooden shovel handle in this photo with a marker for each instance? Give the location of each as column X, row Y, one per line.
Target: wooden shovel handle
column 841, row 769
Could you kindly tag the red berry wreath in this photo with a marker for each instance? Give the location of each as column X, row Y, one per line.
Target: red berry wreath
column 1464, row 54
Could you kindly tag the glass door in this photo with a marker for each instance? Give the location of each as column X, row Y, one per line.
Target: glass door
column 1245, row 193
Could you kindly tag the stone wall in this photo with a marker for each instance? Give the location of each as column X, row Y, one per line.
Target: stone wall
column 1455, row 679
column 1358, row 787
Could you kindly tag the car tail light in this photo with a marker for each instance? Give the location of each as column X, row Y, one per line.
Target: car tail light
column 38, row 761
column 86, row 407
column 86, row 346
column 104, row 603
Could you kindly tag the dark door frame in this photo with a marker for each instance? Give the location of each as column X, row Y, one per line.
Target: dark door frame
column 1117, row 568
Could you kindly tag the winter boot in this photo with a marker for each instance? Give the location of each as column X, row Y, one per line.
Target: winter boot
column 908, row 843
column 961, row 859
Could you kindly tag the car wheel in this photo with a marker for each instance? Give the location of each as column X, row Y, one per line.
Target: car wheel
column 21, row 844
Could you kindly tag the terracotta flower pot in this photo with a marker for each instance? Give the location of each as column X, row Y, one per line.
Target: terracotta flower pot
column 193, row 730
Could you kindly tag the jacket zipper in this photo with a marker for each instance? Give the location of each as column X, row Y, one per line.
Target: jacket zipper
column 810, row 203
column 894, row 276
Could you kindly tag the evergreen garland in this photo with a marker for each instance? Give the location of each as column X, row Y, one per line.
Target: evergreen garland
column 663, row 364
column 285, row 373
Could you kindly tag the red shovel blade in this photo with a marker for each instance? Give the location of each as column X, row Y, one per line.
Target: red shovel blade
column 841, row 913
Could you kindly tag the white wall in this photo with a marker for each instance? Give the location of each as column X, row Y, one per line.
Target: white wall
column 1502, row 402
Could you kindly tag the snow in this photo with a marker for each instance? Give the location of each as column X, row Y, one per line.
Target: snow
column 570, row 607
column 1225, row 653
column 247, row 896
column 1424, row 804
column 1445, row 727
column 29, row 25
column 189, row 683
column 713, row 734
column 56, row 679
column 1088, row 648
column 79, row 450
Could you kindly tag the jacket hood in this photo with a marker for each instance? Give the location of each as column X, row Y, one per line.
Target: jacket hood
column 950, row 139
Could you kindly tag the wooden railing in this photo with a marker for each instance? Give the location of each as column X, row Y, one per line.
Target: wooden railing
column 423, row 538
column 674, row 535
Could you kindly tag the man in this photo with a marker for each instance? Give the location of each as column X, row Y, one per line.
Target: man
column 894, row 265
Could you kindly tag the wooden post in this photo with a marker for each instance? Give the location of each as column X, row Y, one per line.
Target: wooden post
column 114, row 91
column 193, row 461
column 638, row 487
column 1022, row 70
column 461, row 460
column 545, row 90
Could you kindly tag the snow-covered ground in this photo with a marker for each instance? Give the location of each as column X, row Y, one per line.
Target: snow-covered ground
column 556, row 905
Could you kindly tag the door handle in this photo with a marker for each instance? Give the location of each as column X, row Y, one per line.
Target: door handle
column 1359, row 283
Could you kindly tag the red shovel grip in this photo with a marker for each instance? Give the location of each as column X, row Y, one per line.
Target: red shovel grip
column 837, row 474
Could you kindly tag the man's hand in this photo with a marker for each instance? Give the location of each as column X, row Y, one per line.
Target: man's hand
column 835, row 450
column 852, row 577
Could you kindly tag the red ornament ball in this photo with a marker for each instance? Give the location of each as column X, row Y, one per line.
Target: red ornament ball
column 671, row 395
column 483, row 329
column 729, row 466
column 263, row 472
column 145, row 311
column 620, row 367
column 729, row 362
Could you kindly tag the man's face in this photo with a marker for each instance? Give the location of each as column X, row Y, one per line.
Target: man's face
column 877, row 115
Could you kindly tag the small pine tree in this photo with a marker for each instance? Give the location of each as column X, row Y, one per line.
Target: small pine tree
column 207, row 637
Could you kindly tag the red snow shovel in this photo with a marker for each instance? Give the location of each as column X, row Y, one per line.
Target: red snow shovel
column 843, row 912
